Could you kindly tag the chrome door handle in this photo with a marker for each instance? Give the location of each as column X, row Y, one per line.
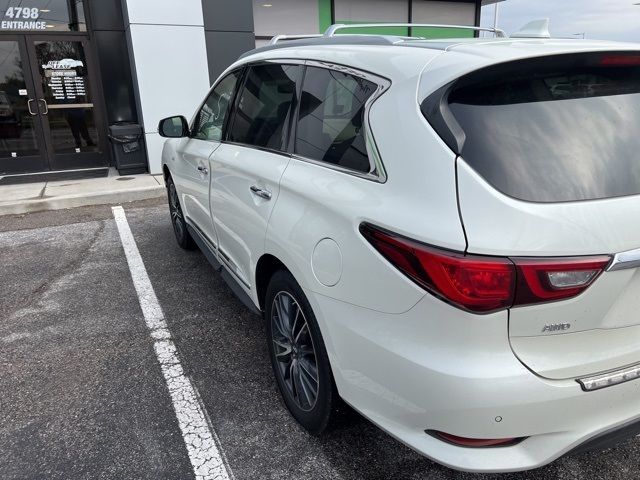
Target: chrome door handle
column 29, row 106
column 203, row 170
column 260, row 192
column 46, row 106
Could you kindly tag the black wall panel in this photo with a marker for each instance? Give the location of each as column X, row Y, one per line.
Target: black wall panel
column 110, row 43
column 224, row 48
column 115, row 71
column 106, row 14
column 229, row 33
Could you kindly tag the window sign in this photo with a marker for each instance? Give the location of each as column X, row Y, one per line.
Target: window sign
column 63, row 79
column 42, row 15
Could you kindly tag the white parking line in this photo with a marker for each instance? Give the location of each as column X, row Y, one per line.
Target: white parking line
column 201, row 441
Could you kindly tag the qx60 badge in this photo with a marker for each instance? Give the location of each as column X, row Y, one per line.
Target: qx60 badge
column 556, row 327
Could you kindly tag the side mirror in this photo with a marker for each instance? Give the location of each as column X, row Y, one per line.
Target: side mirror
column 173, row 127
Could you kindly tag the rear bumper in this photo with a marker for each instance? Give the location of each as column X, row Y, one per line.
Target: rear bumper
column 609, row 438
column 435, row 367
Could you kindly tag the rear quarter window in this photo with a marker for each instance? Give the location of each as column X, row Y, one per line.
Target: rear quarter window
column 554, row 129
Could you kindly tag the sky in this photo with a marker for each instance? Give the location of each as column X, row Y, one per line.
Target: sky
column 598, row 19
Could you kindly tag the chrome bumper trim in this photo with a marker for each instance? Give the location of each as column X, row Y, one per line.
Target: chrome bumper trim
column 604, row 380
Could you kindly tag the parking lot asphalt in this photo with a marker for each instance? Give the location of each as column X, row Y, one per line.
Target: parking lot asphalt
column 82, row 394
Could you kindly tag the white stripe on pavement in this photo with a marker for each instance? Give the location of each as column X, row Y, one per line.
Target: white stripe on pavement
column 204, row 452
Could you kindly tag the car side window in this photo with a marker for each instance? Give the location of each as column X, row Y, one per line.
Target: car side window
column 331, row 119
column 264, row 106
column 210, row 119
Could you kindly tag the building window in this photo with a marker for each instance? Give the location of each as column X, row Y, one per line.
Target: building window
column 282, row 17
column 373, row 11
column 278, row 17
column 446, row 13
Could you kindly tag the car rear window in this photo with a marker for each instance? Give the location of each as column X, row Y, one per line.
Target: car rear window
column 554, row 129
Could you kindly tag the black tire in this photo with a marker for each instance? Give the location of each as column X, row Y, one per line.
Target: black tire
column 183, row 237
column 313, row 416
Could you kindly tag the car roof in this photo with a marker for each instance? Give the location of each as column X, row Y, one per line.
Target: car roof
column 399, row 58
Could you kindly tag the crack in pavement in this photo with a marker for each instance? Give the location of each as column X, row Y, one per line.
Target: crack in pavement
column 37, row 293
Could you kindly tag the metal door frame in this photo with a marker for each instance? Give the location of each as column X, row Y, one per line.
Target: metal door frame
column 30, row 163
column 65, row 161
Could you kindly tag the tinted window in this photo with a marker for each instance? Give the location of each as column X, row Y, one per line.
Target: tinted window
column 264, row 106
column 210, row 119
column 331, row 119
column 554, row 129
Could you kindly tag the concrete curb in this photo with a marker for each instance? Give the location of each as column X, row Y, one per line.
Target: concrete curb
column 81, row 200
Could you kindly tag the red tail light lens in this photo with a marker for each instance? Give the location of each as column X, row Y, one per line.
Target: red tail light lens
column 620, row 60
column 479, row 284
column 485, row 284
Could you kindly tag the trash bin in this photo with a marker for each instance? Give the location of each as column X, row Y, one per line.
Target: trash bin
column 127, row 144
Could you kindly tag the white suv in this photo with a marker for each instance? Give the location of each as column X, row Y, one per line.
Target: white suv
column 440, row 233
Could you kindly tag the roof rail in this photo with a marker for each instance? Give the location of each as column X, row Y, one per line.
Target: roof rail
column 331, row 31
column 279, row 38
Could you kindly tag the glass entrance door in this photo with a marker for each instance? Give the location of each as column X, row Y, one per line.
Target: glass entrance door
column 66, row 101
column 22, row 142
column 49, row 119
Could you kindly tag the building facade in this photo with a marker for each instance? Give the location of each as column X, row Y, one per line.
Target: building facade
column 71, row 69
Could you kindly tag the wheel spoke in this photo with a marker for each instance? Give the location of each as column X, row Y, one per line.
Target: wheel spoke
column 301, row 394
column 310, row 370
column 309, row 384
column 279, row 324
column 285, row 309
column 297, row 318
column 304, row 328
column 290, row 380
column 285, row 354
column 305, row 393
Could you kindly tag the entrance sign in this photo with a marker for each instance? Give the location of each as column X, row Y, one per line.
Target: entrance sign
column 42, row 15
column 23, row 18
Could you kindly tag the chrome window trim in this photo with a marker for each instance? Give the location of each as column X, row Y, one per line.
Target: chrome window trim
column 274, row 151
column 625, row 260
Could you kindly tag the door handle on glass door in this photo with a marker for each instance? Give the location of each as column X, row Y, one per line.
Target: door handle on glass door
column 29, row 106
column 260, row 192
column 46, row 106
column 203, row 170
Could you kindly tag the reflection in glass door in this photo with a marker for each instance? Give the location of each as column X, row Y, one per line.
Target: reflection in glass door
column 21, row 141
column 48, row 118
column 66, row 102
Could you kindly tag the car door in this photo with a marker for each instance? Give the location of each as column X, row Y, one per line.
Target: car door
column 246, row 169
column 193, row 152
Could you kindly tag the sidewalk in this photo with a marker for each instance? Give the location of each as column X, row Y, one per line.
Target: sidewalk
column 57, row 195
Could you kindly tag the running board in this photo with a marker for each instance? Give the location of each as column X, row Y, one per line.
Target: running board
column 209, row 252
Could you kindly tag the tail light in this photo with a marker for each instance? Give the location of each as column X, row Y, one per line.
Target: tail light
column 485, row 284
column 620, row 60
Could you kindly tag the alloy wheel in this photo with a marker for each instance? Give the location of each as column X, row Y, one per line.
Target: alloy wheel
column 176, row 211
column 294, row 351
